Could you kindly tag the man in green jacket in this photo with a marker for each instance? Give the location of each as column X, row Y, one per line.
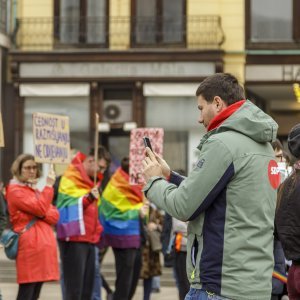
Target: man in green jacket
column 228, row 198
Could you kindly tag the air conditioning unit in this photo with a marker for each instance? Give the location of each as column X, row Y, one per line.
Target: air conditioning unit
column 117, row 111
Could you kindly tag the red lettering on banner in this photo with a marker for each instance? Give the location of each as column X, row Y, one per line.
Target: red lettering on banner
column 273, row 174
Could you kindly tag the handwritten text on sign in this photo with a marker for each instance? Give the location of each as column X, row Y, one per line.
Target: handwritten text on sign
column 51, row 138
column 137, row 148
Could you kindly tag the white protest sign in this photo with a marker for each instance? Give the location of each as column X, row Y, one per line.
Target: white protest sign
column 51, row 135
column 1, row 132
column 137, row 147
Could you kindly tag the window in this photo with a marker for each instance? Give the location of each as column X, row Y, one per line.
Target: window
column 3, row 15
column 272, row 21
column 68, row 106
column 81, row 21
column 158, row 22
column 182, row 131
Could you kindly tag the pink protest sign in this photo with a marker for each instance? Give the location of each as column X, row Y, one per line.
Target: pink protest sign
column 137, row 147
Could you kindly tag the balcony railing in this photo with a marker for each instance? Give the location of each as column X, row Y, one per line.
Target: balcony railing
column 203, row 32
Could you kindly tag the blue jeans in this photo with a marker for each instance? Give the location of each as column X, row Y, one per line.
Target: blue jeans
column 196, row 294
column 97, row 279
column 156, row 282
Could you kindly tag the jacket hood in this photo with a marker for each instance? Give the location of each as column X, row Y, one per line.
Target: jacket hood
column 248, row 120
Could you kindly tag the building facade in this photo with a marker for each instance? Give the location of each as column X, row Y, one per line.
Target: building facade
column 272, row 43
column 5, row 7
column 134, row 62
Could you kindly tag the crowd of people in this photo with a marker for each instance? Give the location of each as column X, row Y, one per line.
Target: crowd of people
column 223, row 225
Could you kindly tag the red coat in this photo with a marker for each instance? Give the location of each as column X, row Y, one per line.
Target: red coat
column 37, row 258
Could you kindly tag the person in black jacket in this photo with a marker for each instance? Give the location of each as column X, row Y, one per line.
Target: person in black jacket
column 287, row 219
column 279, row 260
column 166, row 235
column 3, row 213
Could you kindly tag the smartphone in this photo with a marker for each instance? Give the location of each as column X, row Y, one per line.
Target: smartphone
column 147, row 142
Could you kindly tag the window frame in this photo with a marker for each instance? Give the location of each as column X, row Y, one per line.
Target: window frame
column 295, row 44
column 82, row 40
column 159, row 13
column 3, row 12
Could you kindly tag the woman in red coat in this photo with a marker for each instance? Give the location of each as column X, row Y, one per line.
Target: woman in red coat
column 37, row 259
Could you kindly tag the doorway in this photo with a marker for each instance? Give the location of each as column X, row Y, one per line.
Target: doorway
column 117, row 142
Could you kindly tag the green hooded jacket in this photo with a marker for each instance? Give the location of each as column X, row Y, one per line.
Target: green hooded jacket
column 229, row 200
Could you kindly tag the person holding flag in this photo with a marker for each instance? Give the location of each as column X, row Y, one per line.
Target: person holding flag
column 120, row 216
column 79, row 229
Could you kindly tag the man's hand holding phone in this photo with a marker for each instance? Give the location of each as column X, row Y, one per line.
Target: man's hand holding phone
column 153, row 164
column 147, row 143
column 164, row 166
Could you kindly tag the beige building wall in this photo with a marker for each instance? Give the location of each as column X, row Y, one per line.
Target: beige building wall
column 38, row 31
column 203, row 7
column 233, row 25
column 42, row 32
column 35, row 8
column 201, row 30
column 233, row 22
column 119, row 24
column 230, row 11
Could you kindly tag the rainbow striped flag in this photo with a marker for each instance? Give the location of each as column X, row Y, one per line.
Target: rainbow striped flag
column 279, row 276
column 74, row 185
column 119, row 212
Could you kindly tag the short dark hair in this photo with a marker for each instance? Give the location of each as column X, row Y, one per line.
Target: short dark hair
column 287, row 157
column 102, row 153
column 277, row 145
column 125, row 164
column 224, row 85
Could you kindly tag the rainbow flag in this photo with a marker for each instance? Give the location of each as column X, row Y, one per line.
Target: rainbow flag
column 279, row 276
column 74, row 185
column 119, row 212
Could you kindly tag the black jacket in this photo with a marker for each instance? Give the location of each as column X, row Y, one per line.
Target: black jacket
column 279, row 266
column 287, row 218
column 3, row 213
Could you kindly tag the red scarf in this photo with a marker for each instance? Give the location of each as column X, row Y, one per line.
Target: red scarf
column 223, row 115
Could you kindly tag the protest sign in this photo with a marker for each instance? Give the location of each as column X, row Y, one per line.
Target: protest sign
column 137, row 147
column 1, row 132
column 51, row 135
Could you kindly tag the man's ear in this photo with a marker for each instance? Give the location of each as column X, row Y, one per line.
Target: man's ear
column 219, row 103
